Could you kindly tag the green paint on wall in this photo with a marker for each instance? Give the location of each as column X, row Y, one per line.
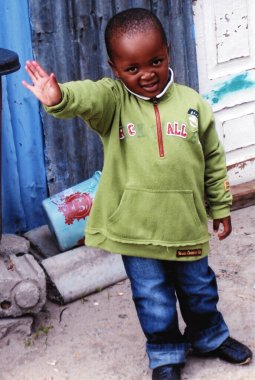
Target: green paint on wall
column 236, row 83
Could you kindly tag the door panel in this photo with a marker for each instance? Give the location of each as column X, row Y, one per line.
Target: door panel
column 225, row 42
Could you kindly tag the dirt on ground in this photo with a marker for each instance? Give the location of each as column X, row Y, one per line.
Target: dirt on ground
column 99, row 337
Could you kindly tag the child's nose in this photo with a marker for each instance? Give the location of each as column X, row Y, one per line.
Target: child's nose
column 147, row 75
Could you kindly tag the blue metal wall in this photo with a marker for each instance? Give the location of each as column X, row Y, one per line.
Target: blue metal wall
column 66, row 36
column 23, row 170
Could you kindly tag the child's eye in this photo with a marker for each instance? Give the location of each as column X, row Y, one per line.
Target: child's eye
column 157, row 62
column 132, row 70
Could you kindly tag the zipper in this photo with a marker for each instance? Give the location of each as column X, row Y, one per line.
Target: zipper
column 158, row 128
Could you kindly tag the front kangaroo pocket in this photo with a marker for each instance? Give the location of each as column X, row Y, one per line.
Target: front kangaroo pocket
column 166, row 217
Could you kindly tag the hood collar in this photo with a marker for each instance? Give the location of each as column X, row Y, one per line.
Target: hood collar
column 170, row 81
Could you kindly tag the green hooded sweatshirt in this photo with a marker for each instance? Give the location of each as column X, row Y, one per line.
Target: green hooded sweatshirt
column 162, row 162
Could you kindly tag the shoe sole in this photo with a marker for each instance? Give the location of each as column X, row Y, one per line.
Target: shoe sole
column 247, row 361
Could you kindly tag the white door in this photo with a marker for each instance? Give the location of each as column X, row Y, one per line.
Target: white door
column 225, row 39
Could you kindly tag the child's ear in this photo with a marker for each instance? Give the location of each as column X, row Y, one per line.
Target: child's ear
column 115, row 71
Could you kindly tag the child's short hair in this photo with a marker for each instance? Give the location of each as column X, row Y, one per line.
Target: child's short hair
column 131, row 21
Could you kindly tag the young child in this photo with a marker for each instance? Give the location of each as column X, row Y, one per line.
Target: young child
column 162, row 161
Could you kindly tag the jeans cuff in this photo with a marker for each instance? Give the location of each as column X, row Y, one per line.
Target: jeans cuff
column 211, row 339
column 162, row 354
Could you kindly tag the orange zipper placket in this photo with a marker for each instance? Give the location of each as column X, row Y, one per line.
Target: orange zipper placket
column 159, row 129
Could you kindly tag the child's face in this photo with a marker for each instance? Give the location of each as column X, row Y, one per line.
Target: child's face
column 141, row 61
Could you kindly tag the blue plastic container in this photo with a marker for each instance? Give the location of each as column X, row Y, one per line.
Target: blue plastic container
column 67, row 212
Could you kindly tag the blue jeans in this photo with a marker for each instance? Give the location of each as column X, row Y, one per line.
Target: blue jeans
column 156, row 285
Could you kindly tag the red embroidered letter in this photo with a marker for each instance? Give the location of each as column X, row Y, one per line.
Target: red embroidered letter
column 183, row 131
column 131, row 129
column 121, row 133
column 169, row 130
column 176, row 129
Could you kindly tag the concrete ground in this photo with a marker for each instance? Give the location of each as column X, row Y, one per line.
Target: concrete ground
column 98, row 337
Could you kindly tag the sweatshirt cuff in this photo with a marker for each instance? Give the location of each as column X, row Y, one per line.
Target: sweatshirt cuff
column 220, row 212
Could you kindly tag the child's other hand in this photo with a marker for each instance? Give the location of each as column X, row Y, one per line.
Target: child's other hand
column 227, row 227
column 45, row 87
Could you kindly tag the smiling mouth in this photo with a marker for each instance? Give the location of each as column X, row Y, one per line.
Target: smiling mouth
column 150, row 86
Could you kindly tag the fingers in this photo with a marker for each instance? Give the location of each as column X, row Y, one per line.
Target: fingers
column 52, row 79
column 27, row 85
column 39, row 70
column 33, row 89
column 35, row 71
column 222, row 227
column 30, row 70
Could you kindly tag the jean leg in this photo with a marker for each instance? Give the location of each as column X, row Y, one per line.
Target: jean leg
column 155, row 302
column 197, row 292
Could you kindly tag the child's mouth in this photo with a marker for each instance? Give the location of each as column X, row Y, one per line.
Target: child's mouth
column 150, row 87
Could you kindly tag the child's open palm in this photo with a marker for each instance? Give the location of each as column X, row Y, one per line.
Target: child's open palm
column 45, row 87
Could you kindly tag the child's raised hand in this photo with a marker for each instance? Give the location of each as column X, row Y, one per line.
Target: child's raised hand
column 227, row 227
column 45, row 87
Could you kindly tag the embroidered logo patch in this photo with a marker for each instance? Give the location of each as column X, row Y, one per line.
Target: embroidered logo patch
column 226, row 185
column 189, row 252
column 193, row 118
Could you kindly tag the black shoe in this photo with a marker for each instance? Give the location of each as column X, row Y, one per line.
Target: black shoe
column 167, row 372
column 233, row 351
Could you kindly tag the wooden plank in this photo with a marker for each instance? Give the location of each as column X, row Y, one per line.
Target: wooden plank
column 243, row 195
